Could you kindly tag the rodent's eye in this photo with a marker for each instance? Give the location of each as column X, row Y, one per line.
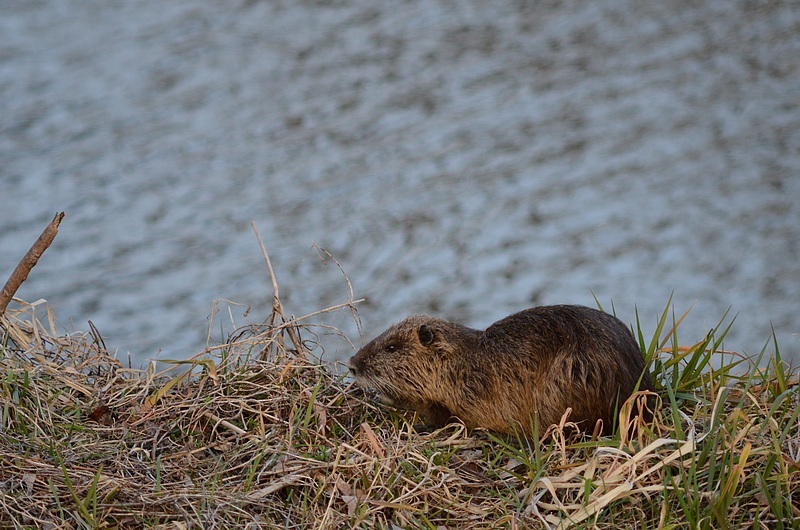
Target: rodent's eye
column 391, row 348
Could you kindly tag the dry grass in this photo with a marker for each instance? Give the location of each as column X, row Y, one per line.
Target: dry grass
column 258, row 434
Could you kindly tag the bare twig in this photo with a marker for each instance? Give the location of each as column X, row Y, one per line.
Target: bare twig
column 277, row 307
column 324, row 256
column 275, row 292
column 24, row 267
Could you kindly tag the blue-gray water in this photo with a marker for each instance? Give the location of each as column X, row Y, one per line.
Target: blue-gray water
column 465, row 159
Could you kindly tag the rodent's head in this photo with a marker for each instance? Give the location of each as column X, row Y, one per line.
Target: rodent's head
column 404, row 362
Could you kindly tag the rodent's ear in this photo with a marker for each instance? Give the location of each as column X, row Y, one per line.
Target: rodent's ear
column 425, row 335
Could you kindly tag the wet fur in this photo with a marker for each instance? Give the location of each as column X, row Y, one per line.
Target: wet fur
column 539, row 361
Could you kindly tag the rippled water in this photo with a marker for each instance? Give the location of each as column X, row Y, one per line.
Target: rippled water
column 462, row 159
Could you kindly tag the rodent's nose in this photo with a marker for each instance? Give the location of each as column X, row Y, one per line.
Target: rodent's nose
column 351, row 365
column 357, row 365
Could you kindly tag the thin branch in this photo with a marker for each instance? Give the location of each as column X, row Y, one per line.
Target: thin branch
column 277, row 306
column 24, row 267
column 275, row 292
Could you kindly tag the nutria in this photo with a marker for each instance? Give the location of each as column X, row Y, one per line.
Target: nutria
column 537, row 362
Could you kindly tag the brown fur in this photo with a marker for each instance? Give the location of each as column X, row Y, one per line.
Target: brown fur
column 537, row 362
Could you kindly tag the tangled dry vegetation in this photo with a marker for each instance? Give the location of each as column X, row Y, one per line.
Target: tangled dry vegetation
column 257, row 434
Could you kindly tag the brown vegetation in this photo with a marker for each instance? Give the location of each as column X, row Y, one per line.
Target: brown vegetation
column 258, row 434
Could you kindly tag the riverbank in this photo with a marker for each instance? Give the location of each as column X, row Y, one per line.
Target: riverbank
column 256, row 433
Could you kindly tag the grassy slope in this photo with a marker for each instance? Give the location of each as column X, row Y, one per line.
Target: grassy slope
column 261, row 435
